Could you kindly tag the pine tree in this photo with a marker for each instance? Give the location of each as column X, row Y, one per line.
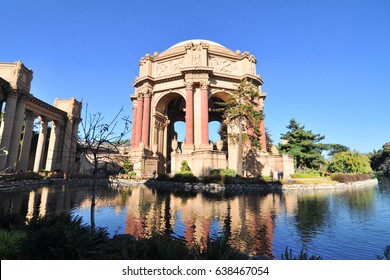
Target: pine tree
column 303, row 146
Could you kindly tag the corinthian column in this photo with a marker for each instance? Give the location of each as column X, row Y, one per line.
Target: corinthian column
column 263, row 137
column 26, row 144
column 41, row 145
column 6, row 128
column 146, row 120
column 134, row 126
column 204, row 104
column 73, row 143
column 138, row 134
column 16, row 132
column 66, row 145
column 189, row 114
column 53, row 145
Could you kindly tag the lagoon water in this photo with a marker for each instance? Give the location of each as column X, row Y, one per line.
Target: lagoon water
column 345, row 224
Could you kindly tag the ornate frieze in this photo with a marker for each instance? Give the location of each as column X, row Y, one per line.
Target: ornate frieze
column 223, row 65
column 169, row 67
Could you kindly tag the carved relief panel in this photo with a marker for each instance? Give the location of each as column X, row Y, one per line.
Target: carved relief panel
column 223, row 65
column 169, row 67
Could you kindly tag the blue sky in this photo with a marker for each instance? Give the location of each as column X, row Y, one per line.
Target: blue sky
column 324, row 63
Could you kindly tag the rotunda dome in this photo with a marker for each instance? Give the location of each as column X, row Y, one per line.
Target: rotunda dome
column 196, row 41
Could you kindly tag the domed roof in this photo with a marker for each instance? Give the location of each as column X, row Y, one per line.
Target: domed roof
column 196, row 41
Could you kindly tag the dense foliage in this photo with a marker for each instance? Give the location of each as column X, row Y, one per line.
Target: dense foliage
column 64, row 238
column 303, row 255
column 350, row 162
column 184, row 167
column 303, row 145
column 269, row 140
column 380, row 160
column 241, row 109
column 243, row 117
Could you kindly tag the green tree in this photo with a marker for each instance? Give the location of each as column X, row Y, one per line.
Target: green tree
column 303, row 145
column 127, row 166
column 334, row 148
column 269, row 140
column 380, row 160
column 243, row 118
column 185, row 167
column 350, row 162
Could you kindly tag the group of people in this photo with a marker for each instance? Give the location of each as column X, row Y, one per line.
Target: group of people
column 280, row 175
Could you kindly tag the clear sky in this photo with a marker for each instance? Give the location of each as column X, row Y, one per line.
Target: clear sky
column 324, row 63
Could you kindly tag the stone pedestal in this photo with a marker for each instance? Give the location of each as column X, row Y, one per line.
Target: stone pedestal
column 187, row 148
column 200, row 162
column 145, row 166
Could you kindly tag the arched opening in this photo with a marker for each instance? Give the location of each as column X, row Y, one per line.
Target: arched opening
column 180, row 133
column 214, row 131
column 217, row 129
column 171, row 108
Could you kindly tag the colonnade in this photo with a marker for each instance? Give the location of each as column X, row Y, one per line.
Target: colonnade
column 142, row 117
column 21, row 109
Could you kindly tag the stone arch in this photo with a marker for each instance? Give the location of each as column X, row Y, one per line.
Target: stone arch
column 165, row 98
column 169, row 109
column 214, row 99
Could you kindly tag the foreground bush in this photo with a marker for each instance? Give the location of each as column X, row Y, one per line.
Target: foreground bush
column 386, row 254
column 65, row 238
column 303, row 255
column 350, row 162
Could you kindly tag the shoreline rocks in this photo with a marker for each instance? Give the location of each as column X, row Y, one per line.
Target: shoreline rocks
column 211, row 187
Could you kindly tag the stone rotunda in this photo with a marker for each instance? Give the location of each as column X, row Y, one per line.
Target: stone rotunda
column 185, row 84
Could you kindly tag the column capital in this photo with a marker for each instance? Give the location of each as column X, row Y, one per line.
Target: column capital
column 204, row 85
column 29, row 115
column 56, row 124
column 43, row 120
column 13, row 94
column 74, row 119
column 147, row 94
column 189, row 85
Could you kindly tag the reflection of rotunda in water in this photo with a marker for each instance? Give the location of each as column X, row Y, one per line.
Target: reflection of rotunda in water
column 246, row 220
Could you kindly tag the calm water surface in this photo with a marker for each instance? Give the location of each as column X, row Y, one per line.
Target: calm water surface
column 350, row 224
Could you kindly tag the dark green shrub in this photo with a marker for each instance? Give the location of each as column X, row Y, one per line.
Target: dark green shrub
column 386, row 254
column 216, row 179
column 61, row 237
column 9, row 221
column 185, row 177
column 162, row 177
column 160, row 247
column 216, row 249
column 224, row 172
column 303, row 255
column 10, row 243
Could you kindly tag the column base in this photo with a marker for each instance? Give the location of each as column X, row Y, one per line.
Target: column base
column 205, row 147
column 187, row 148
